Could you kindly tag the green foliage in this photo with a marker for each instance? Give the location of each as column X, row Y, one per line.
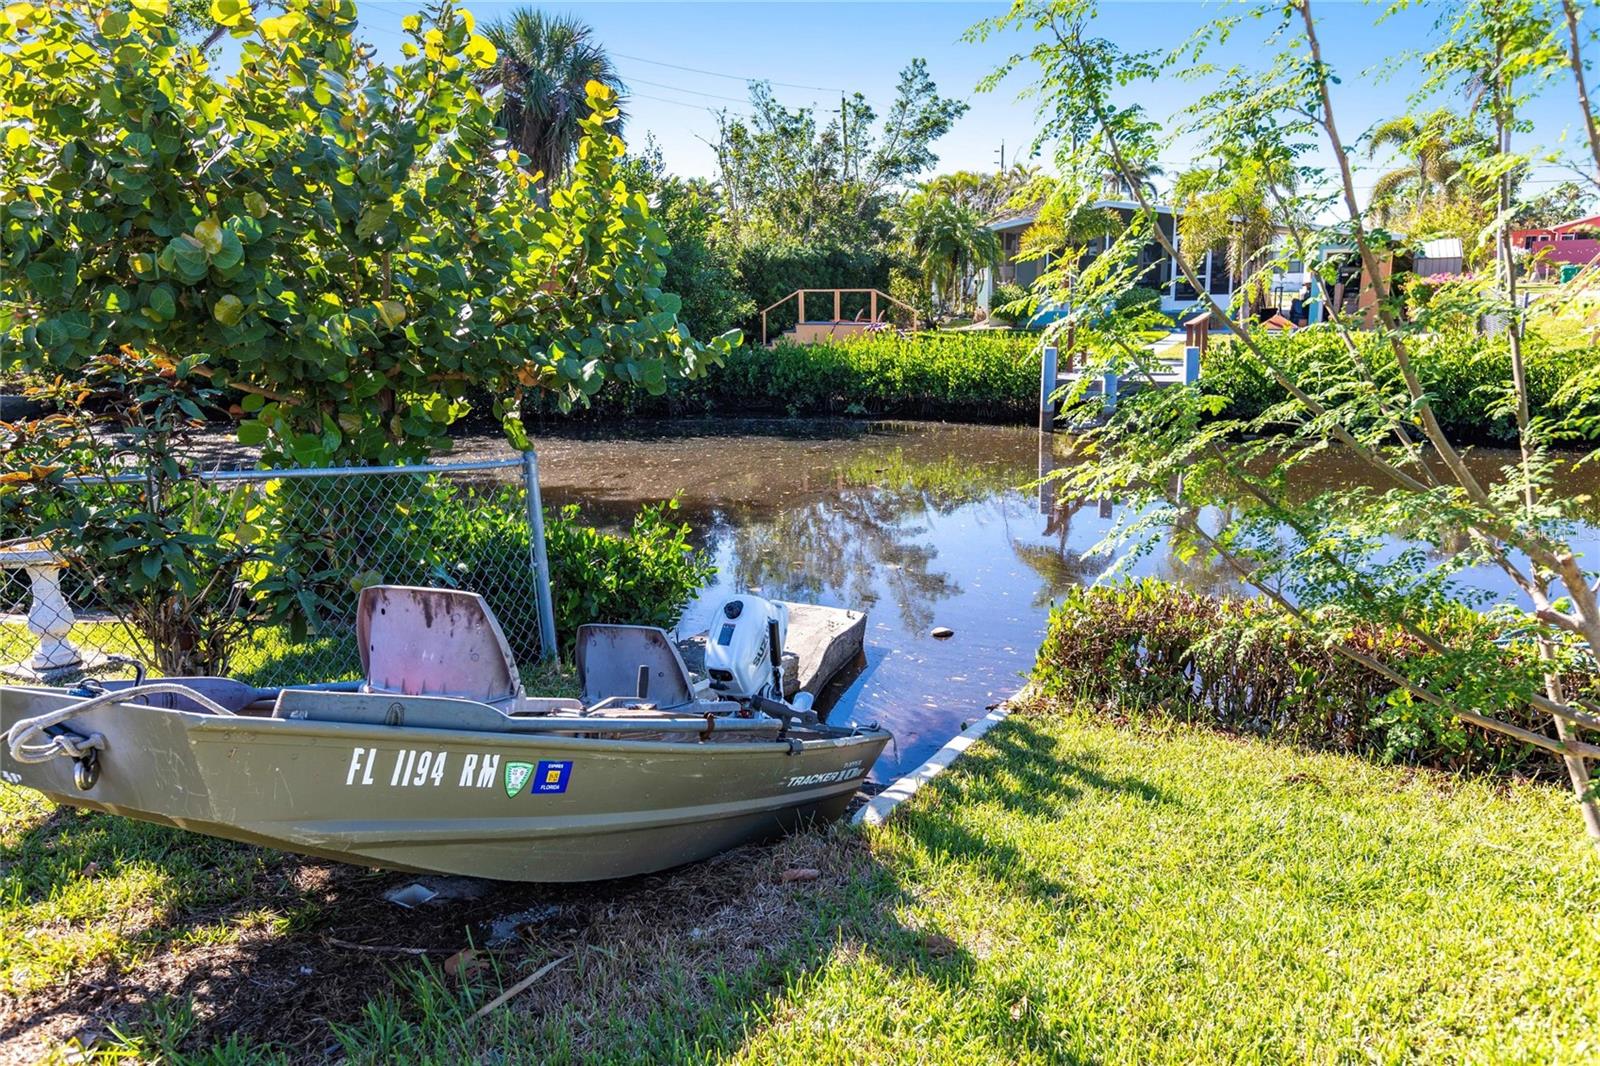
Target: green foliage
column 980, row 376
column 948, row 238
column 1140, row 299
column 644, row 576
column 1551, row 207
column 543, row 66
column 322, row 546
column 344, row 242
column 699, row 262
column 789, row 178
column 1007, row 294
column 769, row 271
column 1464, row 375
column 163, row 555
column 1153, row 648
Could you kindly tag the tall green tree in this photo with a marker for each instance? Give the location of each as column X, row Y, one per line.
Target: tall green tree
column 988, row 193
column 1565, row 202
column 1229, row 207
column 949, row 240
column 346, row 243
column 790, row 176
column 545, row 64
column 1434, row 146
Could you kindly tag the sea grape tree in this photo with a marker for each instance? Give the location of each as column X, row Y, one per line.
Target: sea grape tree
column 349, row 245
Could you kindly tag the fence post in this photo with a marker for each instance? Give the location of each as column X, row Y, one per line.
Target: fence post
column 1047, row 388
column 541, row 564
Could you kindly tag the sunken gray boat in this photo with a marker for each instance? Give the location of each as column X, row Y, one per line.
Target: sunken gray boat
column 439, row 762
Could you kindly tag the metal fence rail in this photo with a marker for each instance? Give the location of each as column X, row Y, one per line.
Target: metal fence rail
column 315, row 538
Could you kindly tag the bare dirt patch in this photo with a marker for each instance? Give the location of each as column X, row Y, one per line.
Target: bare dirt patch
column 287, row 986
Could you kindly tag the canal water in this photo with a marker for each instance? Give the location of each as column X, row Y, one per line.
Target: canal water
column 919, row 524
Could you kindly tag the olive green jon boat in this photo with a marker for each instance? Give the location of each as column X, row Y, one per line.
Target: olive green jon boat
column 437, row 761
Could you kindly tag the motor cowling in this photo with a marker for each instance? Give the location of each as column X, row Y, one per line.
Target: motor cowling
column 744, row 647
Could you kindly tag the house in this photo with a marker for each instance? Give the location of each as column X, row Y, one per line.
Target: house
column 1547, row 249
column 1349, row 290
column 1160, row 271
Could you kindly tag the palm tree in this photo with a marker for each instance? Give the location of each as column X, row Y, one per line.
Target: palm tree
column 1432, row 145
column 1230, row 207
column 1118, row 185
column 545, row 62
column 949, row 240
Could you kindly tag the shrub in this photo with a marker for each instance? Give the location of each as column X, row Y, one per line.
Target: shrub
column 769, row 271
column 980, row 376
column 1466, row 376
column 1153, row 648
column 1141, row 298
column 644, row 576
column 327, row 543
column 1006, row 293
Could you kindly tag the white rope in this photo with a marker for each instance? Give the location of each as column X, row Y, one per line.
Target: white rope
column 23, row 737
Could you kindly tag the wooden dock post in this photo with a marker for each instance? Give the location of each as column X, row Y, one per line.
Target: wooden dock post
column 1047, row 388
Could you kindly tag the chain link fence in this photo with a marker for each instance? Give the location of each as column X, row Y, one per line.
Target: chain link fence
column 263, row 583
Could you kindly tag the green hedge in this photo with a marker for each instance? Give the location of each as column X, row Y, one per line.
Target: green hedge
column 993, row 376
column 1466, row 376
column 978, row 376
column 1163, row 650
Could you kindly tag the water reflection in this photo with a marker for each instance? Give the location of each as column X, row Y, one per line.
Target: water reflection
column 920, row 524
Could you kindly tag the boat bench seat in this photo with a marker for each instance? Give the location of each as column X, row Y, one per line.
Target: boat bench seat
column 377, row 708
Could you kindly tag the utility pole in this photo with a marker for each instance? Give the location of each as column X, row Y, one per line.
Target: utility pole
column 844, row 135
column 1002, row 155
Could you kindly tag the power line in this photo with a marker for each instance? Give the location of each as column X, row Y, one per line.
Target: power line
column 680, row 103
column 730, row 77
column 680, row 89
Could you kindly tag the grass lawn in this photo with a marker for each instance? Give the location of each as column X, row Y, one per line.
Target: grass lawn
column 1072, row 891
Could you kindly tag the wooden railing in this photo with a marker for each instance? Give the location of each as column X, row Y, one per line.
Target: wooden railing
column 799, row 295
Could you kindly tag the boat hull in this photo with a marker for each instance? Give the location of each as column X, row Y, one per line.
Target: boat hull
column 509, row 807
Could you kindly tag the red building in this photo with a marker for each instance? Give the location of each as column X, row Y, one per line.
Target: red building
column 1547, row 250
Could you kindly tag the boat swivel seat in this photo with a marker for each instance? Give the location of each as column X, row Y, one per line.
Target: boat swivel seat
column 434, row 642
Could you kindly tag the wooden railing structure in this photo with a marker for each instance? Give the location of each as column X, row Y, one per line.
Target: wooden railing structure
column 872, row 312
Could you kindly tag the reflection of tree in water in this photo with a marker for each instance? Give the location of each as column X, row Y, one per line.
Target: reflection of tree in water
column 869, row 534
column 1059, row 565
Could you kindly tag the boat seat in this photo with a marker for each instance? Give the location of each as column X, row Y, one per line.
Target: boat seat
column 375, row 708
column 230, row 693
column 611, row 659
column 434, row 642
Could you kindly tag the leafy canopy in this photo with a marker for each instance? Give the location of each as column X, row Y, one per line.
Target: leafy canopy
column 350, row 244
column 785, row 176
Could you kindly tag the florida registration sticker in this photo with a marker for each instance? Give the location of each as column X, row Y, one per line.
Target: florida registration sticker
column 552, row 776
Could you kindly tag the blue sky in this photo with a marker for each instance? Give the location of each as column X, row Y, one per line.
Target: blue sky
column 819, row 49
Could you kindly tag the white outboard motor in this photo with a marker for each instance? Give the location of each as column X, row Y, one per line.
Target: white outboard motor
column 744, row 648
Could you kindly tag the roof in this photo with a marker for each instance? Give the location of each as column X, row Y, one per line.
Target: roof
column 1591, row 220
column 1441, row 248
